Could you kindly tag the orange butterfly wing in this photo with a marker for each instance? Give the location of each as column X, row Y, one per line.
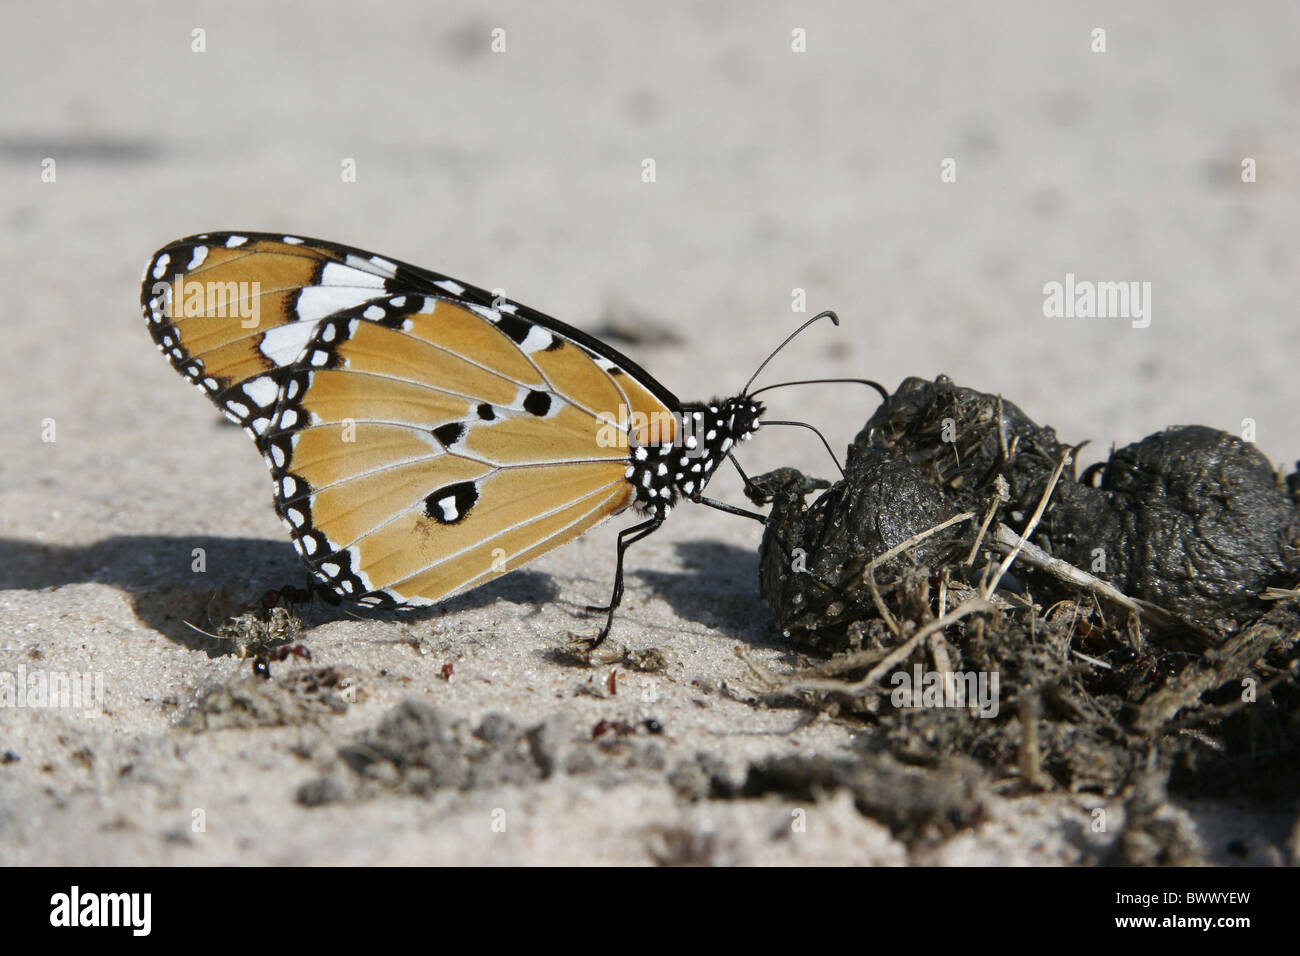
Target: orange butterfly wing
column 423, row 436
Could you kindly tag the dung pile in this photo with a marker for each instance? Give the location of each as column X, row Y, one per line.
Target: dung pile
column 1148, row 618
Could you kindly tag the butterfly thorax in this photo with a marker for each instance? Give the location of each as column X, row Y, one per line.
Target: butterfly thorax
column 662, row 472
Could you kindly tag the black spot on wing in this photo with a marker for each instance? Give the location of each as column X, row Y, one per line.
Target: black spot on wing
column 514, row 327
column 451, row 503
column 449, row 434
column 537, row 403
column 486, row 412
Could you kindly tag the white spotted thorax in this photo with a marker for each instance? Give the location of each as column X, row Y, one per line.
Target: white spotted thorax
column 663, row 473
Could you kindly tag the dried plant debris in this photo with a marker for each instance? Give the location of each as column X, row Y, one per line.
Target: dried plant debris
column 919, row 805
column 299, row 697
column 1153, row 834
column 417, row 749
column 252, row 633
column 1140, row 617
column 578, row 652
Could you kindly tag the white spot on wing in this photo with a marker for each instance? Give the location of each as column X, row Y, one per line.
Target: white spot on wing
column 413, row 601
column 450, row 285
column 263, row 391
column 361, row 575
column 316, row 301
column 335, row 273
column 537, row 340
column 235, row 241
column 284, row 343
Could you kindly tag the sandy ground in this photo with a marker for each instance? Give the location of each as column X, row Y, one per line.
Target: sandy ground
column 775, row 170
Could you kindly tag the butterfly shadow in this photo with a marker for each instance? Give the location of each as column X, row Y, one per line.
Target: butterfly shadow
column 719, row 590
column 202, row 580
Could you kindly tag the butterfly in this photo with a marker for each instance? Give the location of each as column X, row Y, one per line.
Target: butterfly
column 423, row 435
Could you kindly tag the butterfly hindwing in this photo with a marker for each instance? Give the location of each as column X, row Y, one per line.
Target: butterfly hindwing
column 423, row 436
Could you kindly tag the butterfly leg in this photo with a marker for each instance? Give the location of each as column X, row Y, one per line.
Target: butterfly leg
column 749, row 485
column 626, row 538
column 729, row 509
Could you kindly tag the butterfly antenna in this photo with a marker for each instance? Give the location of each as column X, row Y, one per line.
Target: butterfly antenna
column 884, row 392
column 215, row 637
column 813, row 429
column 820, row 315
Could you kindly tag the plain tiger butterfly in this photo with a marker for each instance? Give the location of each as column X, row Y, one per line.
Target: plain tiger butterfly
column 424, row 436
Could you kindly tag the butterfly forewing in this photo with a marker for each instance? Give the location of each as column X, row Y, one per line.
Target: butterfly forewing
column 423, row 437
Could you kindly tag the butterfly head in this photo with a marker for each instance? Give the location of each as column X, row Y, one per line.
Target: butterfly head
column 738, row 418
